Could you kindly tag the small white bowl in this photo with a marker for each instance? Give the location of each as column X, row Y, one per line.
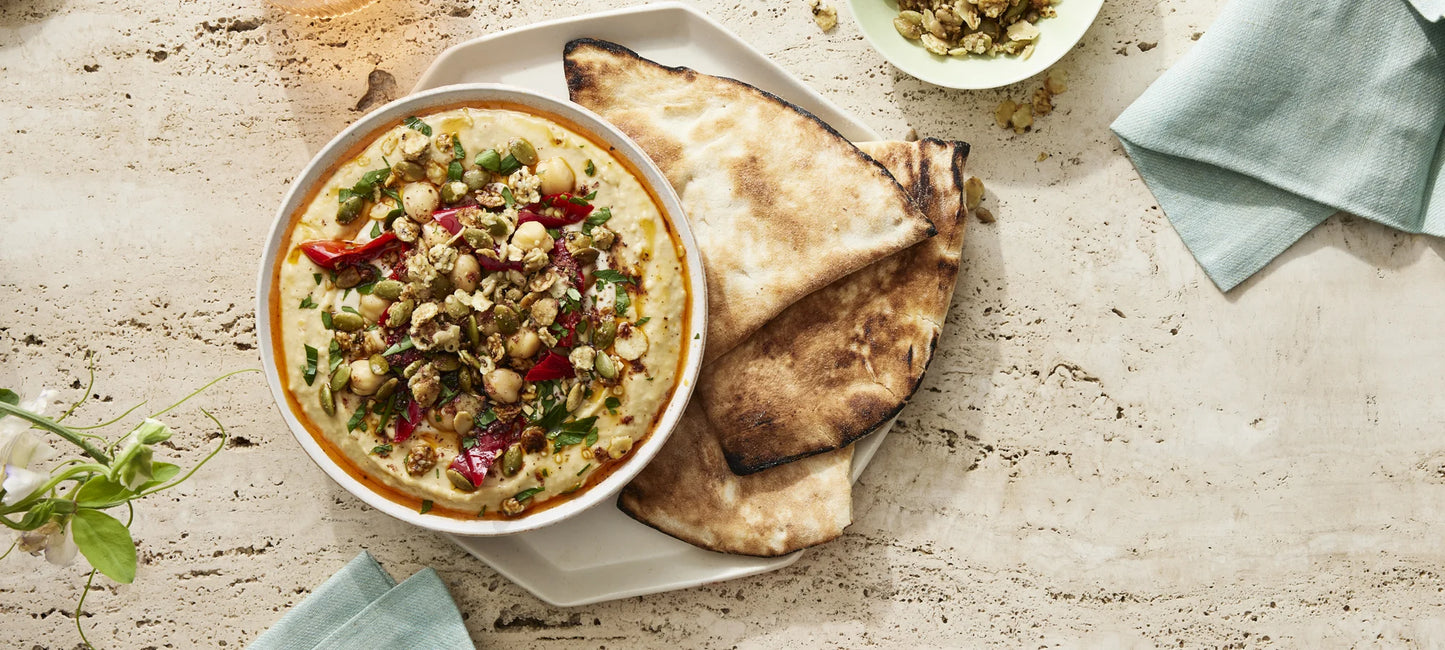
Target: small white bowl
column 1057, row 36
column 587, row 122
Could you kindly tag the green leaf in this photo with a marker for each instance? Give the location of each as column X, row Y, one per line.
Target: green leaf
column 612, row 403
column 584, row 469
column 507, row 196
column 596, row 219
column 508, row 165
column 623, row 300
column 309, row 372
column 426, row 506
column 454, row 171
column 400, row 346
column 591, row 169
column 528, row 493
column 333, row 356
column 486, row 418
column 457, row 151
column 106, row 543
column 375, row 176
column 9, row 397
column 414, row 123
column 357, row 418
column 591, row 438
column 308, row 303
column 553, row 416
column 344, row 194
column 611, row 275
column 382, row 450
column 567, row 439
column 574, row 200
column 643, row 320
column 316, row 277
column 375, row 229
column 99, row 491
column 489, row 160
column 326, row 320
column 37, row 515
column 160, row 473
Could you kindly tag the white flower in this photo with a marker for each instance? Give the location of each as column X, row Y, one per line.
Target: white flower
column 21, row 450
column 52, row 539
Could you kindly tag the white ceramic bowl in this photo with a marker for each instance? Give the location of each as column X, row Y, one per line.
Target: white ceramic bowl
column 1057, row 36
column 371, row 126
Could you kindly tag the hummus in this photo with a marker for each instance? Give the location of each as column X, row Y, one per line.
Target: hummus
column 481, row 313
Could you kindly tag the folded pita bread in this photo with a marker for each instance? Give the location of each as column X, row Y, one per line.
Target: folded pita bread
column 844, row 360
column 779, row 202
column 688, row 492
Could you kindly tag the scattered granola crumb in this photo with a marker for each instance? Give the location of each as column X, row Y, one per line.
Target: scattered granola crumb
column 984, row 216
column 1145, row 47
column 1019, row 116
column 911, row 135
column 824, row 14
column 972, row 193
column 1043, row 155
column 1196, row 36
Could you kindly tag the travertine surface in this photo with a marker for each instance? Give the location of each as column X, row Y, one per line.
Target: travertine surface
column 1107, row 451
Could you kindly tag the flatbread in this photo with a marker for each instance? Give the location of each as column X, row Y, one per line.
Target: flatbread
column 780, row 203
column 844, row 360
column 688, row 490
column 688, row 493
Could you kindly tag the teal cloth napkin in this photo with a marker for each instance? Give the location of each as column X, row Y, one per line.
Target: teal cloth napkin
column 362, row 607
column 1287, row 112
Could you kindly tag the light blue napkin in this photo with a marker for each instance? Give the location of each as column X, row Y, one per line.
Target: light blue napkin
column 362, row 607
column 1287, row 112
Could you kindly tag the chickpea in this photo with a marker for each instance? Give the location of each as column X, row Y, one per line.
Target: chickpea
column 466, row 273
column 363, row 380
column 373, row 307
column 503, row 385
column 420, row 200
column 524, row 344
column 532, row 235
column 557, row 176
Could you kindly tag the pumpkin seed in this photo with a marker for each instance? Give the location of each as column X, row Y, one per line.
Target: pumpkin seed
column 604, row 335
column 523, row 151
column 512, row 460
column 475, row 179
column 347, row 321
column 459, row 481
column 409, row 171
column 474, row 335
column 574, row 397
column 350, row 209
column 379, row 366
column 349, row 277
column 463, row 422
column 506, row 319
column 399, row 313
column 477, row 238
column 605, row 366
column 328, row 400
column 389, row 289
column 446, row 363
column 386, row 389
column 341, row 377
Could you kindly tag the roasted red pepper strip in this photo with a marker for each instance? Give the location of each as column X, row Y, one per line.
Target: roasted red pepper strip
column 407, row 423
column 497, row 265
column 570, row 212
column 474, row 462
column 334, row 254
column 448, row 220
column 553, row 366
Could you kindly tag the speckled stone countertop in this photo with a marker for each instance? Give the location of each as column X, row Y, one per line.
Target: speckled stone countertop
column 1107, row 451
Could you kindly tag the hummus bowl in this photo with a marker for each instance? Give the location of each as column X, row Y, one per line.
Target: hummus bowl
column 481, row 309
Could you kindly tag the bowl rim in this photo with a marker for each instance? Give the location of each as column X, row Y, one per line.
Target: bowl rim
column 370, row 126
column 1044, row 61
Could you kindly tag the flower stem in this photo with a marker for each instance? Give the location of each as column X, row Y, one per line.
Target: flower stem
column 57, row 429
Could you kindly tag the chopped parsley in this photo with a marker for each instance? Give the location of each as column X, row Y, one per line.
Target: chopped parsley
column 457, row 151
column 454, row 171
column 317, row 277
column 623, row 300
column 611, row 275
column 308, row 303
column 326, row 320
column 382, row 450
column 486, row 418
column 591, row 169
column 528, row 493
column 612, row 403
column 596, row 219
column 375, row 229
column 309, row 372
column 414, row 123
column 507, row 196
column 591, row 438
